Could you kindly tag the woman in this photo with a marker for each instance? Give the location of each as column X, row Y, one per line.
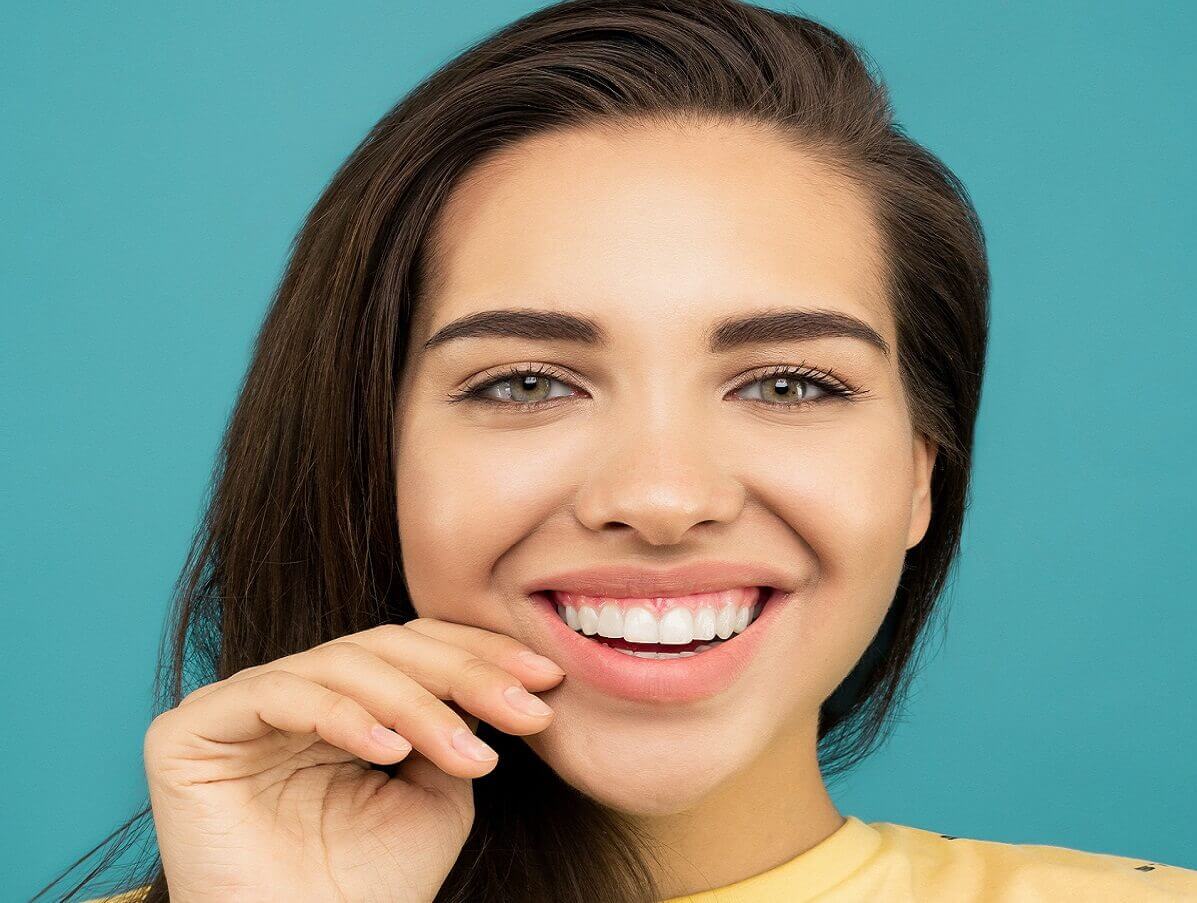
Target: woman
column 602, row 458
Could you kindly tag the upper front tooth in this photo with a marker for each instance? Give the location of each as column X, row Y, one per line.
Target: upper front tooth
column 677, row 627
column 571, row 617
column 639, row 626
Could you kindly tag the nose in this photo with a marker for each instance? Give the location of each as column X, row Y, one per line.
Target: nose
column 660, row 476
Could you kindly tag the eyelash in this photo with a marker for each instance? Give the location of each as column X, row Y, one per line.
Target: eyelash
column 828, row 381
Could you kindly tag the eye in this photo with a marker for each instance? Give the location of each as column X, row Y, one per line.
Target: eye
column 792, row 387
column 521, row 386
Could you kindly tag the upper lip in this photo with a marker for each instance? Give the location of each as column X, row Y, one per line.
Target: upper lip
column 636, row 581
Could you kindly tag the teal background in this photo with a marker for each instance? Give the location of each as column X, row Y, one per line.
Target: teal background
column 158, row 159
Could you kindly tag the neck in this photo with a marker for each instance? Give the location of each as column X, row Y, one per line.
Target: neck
column 766, row 815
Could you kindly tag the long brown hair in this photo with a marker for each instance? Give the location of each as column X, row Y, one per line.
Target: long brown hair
column 299, row 542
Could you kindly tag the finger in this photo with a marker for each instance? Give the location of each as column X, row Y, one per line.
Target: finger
column 454, row 673
column 445, row 670
column 276, row 700
column 419, row 712
column 402, row 703
column 470, row 720
column 533, row 670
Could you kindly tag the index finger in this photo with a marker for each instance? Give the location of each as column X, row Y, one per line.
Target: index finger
column 507, row 652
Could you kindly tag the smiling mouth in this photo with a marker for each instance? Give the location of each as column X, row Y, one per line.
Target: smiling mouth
column 661, row 627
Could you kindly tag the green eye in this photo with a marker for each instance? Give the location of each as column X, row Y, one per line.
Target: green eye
column 524, row 388
column 787, row 390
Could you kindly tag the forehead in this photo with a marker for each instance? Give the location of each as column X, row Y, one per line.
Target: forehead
column 655, row 228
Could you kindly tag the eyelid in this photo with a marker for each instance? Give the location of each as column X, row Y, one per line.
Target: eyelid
column 824, row 377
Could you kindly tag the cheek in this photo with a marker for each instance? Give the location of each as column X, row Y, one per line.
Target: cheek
column 846, row 493
column 846, row 497
column 464, row 500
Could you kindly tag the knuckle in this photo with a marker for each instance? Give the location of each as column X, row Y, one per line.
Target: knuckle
column 195, row 694
column 389, row 631
column 426, row 707
column 274, row 681
column 474, row 672
column 159, row 725
column 204, row 689
column 157, row 733
column 346, row 652
column 335, row 707
column 243, row 674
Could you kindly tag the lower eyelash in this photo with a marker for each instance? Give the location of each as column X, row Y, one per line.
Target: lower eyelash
column 832, row 385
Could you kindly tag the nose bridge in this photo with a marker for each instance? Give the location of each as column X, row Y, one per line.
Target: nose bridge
column 659, row 471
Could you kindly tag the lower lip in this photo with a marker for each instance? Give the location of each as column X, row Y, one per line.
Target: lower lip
column 673, row 680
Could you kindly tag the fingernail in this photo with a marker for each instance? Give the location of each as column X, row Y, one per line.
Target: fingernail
column 389, row 738
column 468, row 744
column 523, row 701
column 541, row 663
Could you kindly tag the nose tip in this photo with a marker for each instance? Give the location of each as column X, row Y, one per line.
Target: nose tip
column 660, row 505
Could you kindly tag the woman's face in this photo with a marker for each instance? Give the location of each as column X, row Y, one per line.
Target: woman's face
column 660, row 441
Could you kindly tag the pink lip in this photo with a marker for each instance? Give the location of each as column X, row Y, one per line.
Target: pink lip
column 670, row 681
column 628, row 581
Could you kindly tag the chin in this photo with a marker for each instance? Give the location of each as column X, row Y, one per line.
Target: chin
column 643, row 766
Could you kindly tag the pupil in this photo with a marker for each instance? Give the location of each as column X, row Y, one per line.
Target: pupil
column 528, row 383
column 780, row 383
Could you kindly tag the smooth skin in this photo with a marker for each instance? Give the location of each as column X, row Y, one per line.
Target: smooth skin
column 652, row 450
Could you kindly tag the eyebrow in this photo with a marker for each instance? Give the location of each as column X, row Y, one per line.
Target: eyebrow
column 762, row 327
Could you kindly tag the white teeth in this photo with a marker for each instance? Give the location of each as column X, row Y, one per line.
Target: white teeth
column 610, row 621
column 704, row 624
column 663, row 655
column 677, row 626
column 725, row 622
column 639, row 626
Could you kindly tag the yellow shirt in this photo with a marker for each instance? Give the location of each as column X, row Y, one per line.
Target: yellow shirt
column 129, row 896
column 879, row 861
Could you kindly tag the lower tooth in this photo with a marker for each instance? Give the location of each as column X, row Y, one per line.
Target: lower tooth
column 663, row 655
